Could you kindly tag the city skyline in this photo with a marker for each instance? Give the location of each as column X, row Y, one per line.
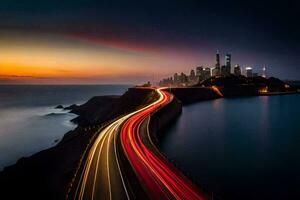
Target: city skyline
column 65, row 42
column 202, row 72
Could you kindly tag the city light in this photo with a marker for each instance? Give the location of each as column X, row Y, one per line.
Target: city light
column 264, row 90
column 202, row 73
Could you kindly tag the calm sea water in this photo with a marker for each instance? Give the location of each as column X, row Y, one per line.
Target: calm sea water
column 245, row 148
column 28, row 121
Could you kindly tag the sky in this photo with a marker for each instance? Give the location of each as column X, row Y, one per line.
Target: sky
column 119, row 41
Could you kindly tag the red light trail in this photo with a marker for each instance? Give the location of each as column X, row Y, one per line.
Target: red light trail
column 104, row 177
column 159, row 177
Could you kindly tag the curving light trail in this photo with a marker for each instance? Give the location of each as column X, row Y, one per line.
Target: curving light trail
column 159, row 177
column 102, row 176
column 217, row 90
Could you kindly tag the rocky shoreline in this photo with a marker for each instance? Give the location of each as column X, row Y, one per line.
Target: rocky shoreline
column 48, row 173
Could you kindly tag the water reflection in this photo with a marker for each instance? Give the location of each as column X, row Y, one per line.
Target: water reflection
column 216, row 104
column 240, row 146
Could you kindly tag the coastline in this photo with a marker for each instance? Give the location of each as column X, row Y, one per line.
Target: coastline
column 278, row 93
column 50, row 171
column 28, row 130
column 29, row 121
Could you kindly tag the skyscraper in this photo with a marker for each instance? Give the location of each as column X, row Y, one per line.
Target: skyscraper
column 228, row 60
column 223, row 70
column 227, row 68
column 207, row 73
column 237, row 70
column 192, row 76
column 217, row 69
column 176, row 78
column 199, row 73
column 217, row 59
column 249, row 72
column 183, row 78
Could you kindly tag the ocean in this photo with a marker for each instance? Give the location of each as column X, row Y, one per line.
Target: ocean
column 29, row 123
column 240, row 148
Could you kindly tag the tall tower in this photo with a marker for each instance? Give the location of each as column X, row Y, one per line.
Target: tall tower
column 228, row 60
column 217, row 59
column 217, row 69
column 227, row 64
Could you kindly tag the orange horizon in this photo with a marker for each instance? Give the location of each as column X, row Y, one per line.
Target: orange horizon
column 47, row 56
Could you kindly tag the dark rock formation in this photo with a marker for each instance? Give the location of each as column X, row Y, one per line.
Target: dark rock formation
column 59, row 107
column 232, row 86
column 47, row 174
column 194, row 94
column 100, row 109
column 95, row 110
column 71, row 107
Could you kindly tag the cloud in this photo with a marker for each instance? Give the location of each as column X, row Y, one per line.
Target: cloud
column 5, row 77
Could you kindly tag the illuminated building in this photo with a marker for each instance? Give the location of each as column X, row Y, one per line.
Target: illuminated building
column 217, row 69
column 237, row 70
column 176, row 78
column 192, row 77
column 223, row 70
column 207, row 73
column 249, row 72
column 264, row 72
column 200, row 73
column 228, row 60
column 263, row 89
column 226, row 68
column 183, row 78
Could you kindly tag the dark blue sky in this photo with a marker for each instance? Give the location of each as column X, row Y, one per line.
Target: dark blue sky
column 264, row 32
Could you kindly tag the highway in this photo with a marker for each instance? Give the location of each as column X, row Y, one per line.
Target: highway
column 103, row 176
column 160, row 178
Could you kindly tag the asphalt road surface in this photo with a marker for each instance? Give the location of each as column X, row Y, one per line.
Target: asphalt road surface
column 104, row 177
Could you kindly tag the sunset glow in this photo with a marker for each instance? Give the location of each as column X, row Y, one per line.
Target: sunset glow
column 36, row 58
